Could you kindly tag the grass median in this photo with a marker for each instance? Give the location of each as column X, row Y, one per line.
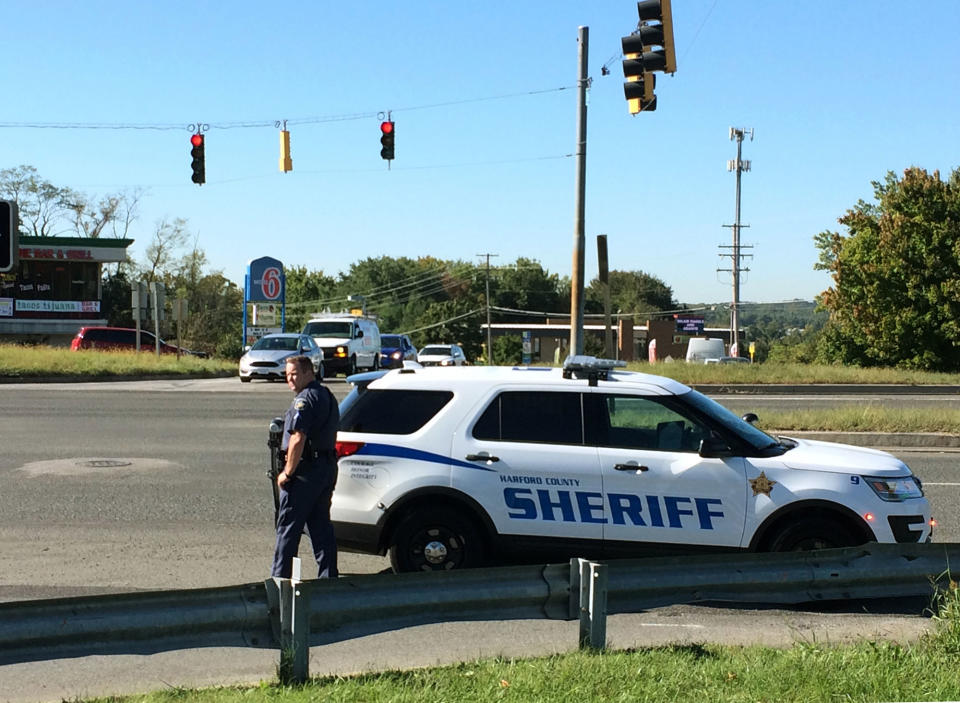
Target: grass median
column 924, row 670
column 38, row 362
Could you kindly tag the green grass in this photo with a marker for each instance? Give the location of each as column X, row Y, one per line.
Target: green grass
column 864, row 418
column 925, row 670
column 691, row 374
column 44, row 362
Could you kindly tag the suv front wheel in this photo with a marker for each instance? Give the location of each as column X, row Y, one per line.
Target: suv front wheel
column 438, row 540
column 814, row 533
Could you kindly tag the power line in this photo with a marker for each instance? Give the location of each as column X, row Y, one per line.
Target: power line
column 268, row 123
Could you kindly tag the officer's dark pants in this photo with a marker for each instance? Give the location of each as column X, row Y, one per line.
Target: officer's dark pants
column 305, row 503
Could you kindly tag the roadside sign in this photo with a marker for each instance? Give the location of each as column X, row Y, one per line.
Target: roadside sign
column 9, row 235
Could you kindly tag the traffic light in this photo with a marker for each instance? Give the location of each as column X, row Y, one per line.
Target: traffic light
column 641, row 58
column 388, row 130
column 9, row 234
column 638, row 90
column 286, row 161
column 199, row 166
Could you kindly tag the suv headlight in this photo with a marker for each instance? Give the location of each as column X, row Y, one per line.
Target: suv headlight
column 894, row 489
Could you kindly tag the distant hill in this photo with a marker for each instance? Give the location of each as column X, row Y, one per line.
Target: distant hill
column 785, row 314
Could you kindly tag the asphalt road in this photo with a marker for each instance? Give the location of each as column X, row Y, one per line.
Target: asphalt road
column 110, row 487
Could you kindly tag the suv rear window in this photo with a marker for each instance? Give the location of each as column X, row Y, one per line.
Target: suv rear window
column 393, row 411
column 532, row 416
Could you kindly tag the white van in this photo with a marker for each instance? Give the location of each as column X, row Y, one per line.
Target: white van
column 349, row 342
column 704, row 350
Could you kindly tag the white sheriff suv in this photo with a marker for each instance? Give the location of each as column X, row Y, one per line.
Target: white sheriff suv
column 452, row 468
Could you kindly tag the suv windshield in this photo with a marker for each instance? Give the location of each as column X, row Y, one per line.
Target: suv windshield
column 716, row 412
column 284, row 343
column 390, row 340
column 328, row 329
column 436, row 351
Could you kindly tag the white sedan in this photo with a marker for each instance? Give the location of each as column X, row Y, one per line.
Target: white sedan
column 442, row 355
column 267, row 357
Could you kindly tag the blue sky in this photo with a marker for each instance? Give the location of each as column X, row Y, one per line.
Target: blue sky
column 838, row 93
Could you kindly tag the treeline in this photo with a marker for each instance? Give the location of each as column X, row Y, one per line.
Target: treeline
column 430, row 299
column 894, row 298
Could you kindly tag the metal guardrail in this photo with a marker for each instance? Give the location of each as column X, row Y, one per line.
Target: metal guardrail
column 295, row 615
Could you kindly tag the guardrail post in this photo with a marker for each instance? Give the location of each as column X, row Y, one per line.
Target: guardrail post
column 294, row 628
column 576, row 566
column 593, row 604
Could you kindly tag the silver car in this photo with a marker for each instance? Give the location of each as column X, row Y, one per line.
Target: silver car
column 267, row 357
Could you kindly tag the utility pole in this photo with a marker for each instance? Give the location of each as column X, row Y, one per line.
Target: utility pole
column 576, row 287
column 489, row 335
column 739, row 165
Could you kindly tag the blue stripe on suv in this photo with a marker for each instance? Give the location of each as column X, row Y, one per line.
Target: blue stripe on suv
column 375, row 449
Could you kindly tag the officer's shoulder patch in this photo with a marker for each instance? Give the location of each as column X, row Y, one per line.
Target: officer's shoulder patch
column 300, row 404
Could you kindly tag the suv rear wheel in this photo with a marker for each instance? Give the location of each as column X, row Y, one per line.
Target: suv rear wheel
column 438, row 540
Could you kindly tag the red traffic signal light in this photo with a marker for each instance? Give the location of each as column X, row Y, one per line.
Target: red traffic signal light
column 199, row 160
column 388, row 129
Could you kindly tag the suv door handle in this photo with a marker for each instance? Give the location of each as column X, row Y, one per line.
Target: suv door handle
column 482, row 457
column 631, row 467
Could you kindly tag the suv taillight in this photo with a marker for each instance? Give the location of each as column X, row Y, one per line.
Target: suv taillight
column 348, row 448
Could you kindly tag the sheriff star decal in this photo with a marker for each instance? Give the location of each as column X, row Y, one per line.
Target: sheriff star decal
column 762, row 484
column 300, row 404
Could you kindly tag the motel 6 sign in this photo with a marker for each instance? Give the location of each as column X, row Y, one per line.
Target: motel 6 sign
column 265, row 281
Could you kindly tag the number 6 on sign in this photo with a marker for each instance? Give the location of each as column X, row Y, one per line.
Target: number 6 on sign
column 270, row 284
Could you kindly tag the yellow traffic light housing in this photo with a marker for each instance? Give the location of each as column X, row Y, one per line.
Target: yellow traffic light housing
column 286, row 161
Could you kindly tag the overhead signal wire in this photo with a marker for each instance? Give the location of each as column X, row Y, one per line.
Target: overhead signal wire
column 428, row 281
column 444, row 322
column 439, row 287
column 373, row 291
column 271, row 123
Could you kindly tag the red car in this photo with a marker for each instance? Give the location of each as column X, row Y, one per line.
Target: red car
column 122, row 338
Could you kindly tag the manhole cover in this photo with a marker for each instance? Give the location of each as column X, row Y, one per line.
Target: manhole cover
column 104, row 463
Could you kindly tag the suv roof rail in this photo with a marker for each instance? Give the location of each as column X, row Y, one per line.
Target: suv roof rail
column 590, row 367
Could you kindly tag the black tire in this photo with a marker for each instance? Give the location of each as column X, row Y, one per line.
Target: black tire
column 245, row 380
column 376, row 362
column 320, row 372
column 436, row 540
column 814, row 533
column 352, row 367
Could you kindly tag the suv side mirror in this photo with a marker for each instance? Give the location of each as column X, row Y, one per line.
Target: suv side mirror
column 750, row 417
column 714, row 448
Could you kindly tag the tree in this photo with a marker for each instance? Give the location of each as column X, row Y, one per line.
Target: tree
column 44, row 210
column 47, row 210
column 631, row 292
column 527, row 286
column 308, row 292
column 160, row 255
column 895, row 299
column 113, row 213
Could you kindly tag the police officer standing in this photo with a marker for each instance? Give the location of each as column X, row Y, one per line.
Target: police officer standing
column 310, row 472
